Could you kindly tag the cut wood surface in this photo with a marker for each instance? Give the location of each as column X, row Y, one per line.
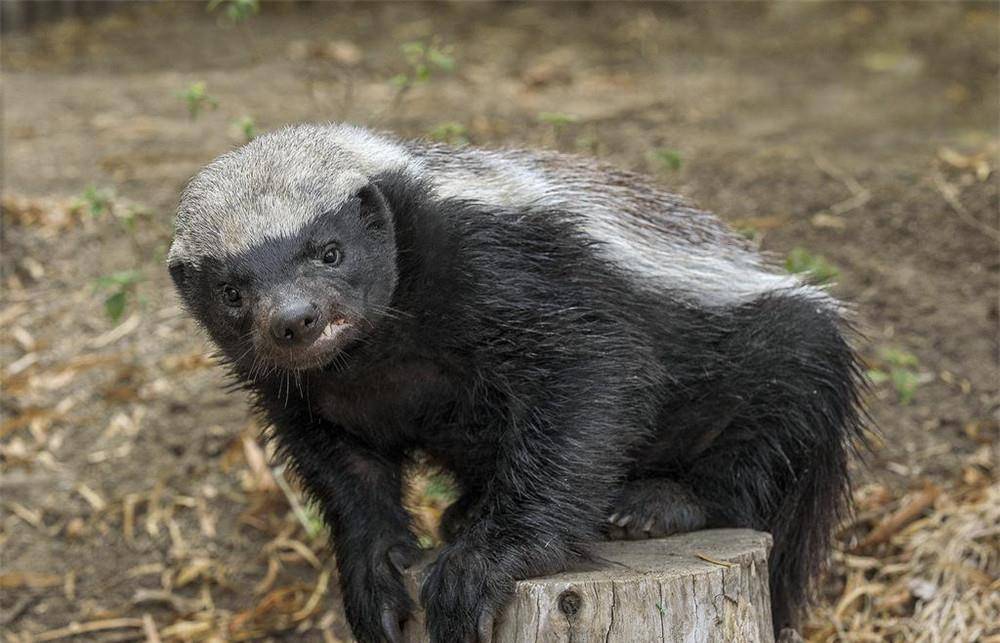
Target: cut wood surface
column 704, row 586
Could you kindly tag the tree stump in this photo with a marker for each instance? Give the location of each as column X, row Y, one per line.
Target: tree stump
column 703, row 586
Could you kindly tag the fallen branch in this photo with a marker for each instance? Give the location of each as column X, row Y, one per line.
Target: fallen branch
column 76, row 629
column 901, row 517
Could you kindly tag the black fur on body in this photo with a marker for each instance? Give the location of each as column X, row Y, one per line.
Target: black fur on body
column 568, row 403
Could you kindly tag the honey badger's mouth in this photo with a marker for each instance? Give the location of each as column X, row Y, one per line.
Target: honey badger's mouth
column 319, row 352
column 332, row 331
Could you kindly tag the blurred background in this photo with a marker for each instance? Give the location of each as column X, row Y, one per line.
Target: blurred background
column 854, row 142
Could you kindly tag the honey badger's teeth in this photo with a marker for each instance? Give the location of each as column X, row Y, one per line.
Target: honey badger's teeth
column 333, row 328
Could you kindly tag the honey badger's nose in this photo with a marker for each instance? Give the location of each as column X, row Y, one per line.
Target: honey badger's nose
column 295, row 323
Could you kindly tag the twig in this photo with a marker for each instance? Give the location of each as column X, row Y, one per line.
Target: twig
column 901, row 517
column 149, row 629
column 20, row 607
column 76, row 629
column 708, row 559
column 860, row 195
column 950, row 195
column 313, row 602
column 297, row 509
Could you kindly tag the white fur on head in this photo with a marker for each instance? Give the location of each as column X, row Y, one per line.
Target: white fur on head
column 276, row 184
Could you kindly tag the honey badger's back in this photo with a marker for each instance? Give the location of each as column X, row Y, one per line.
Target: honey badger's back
column 657, row 237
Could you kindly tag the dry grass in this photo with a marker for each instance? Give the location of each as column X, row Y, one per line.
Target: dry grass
column 926, row 566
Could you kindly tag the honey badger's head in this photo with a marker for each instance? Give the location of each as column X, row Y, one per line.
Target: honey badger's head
column 284, row 249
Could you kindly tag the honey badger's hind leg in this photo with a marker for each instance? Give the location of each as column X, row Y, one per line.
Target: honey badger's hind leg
column 654, row 508
column 787, row 384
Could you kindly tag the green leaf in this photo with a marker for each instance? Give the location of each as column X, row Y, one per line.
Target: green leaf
column 121, row 279
column 905, row 382
column 97, row 200
column 451, row 132
column 800, row 260
column 878, row 377
column 114, row 305
column 668, row 159
column 898, row 357
column 196, row 96
column 441, row 60
column 247, row 126
column 557, row 119
column 413, row 51
column 236, row 10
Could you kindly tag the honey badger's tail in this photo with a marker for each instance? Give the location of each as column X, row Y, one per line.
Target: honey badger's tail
column 781, row 465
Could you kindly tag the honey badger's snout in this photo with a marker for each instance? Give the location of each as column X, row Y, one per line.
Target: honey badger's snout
column 300, row 330
column 296, row 322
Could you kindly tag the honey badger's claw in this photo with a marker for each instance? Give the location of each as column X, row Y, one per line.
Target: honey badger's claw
column 484, row 628
column 654, row 508
column 403, row 556
column 391, row 625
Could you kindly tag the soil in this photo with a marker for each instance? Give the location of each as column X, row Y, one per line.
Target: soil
column 866, row 134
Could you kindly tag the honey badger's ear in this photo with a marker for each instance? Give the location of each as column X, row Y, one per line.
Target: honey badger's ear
column 373, row 209
column 176, row 264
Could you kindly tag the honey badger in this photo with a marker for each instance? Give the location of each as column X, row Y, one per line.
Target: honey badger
column 588, row 354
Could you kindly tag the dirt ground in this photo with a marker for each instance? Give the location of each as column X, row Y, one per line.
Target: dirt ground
column 135, row 502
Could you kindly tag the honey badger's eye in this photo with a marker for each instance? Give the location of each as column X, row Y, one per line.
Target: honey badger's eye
column 332, row 254
column 231, row 296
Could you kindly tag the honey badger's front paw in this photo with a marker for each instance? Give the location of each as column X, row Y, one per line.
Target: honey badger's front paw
column 462, row 594
column 375, row 599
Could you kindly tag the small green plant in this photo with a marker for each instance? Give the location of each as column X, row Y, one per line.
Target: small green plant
column 801, row 261
column 236, row 11
column 588, row 143
column 900, row 368
column 197, row 98
column 100, row 203
column 120, row 287
column 423, row 59
column 666, row 159
column 312, row 520
column 451, row 132
column 247, row 126
column 128, row 217
column 557, row 120
column 97, row 201
column 750, row 233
